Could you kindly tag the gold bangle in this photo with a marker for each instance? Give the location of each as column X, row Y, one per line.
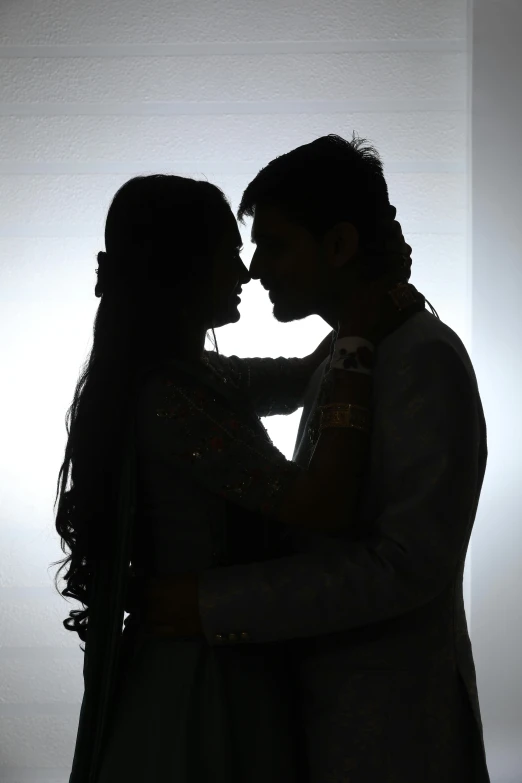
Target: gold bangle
column 345, row 415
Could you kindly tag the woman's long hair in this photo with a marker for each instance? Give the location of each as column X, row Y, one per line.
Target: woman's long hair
column 160, row 236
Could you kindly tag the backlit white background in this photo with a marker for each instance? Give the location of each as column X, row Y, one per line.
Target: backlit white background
column 94, row 93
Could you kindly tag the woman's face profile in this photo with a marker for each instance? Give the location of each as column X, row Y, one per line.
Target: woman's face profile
column 229, row 274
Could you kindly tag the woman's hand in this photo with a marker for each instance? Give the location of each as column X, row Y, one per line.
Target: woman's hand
column 376, row 308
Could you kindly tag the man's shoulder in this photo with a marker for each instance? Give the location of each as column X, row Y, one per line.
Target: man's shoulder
column 422, row 330
column 422, row 336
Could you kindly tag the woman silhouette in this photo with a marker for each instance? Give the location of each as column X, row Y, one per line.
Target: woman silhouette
column 172, row 471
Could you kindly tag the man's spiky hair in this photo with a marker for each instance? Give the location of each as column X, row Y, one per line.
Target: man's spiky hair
column 321, row 183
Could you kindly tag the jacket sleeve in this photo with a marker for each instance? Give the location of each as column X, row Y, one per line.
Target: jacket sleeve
column 216, row 443
column 272, row 386
column 429, row 442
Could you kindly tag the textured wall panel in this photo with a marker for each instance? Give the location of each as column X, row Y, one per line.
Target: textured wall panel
column 163, row 21
column 34, row 617
column 391, row 75
column 84, row 199
column 28, row 679
column 37, row 738
column 407, row 136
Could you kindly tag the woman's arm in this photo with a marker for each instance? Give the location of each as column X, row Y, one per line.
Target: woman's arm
column 325, row 497
column 205, row 439
column 273, row 386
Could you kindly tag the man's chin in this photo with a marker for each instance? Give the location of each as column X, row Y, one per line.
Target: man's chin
column 286, row 313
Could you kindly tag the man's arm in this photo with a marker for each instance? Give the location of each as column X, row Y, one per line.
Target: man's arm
column 275, row 386
column 429, row 430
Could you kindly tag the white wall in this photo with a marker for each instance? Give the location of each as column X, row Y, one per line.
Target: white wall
column 496, row 162
column 93, row 93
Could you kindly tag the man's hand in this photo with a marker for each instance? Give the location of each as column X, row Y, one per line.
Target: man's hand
column 371, row 311
column 170, row 605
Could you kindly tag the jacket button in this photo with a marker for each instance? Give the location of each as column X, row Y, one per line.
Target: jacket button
column 219, row 637
column 245, row 636
column 232, row 637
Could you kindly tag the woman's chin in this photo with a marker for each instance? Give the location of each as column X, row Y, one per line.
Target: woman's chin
column 232, row 316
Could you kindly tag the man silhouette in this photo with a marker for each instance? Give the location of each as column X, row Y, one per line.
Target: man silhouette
column 375, row 624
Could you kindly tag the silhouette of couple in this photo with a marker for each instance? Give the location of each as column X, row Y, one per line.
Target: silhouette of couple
column 291, row 621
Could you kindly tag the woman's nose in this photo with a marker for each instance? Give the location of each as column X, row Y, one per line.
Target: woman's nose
column 253, row 271
column 245, row 275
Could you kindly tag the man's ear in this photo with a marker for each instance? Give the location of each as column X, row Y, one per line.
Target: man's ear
column 342, row 244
